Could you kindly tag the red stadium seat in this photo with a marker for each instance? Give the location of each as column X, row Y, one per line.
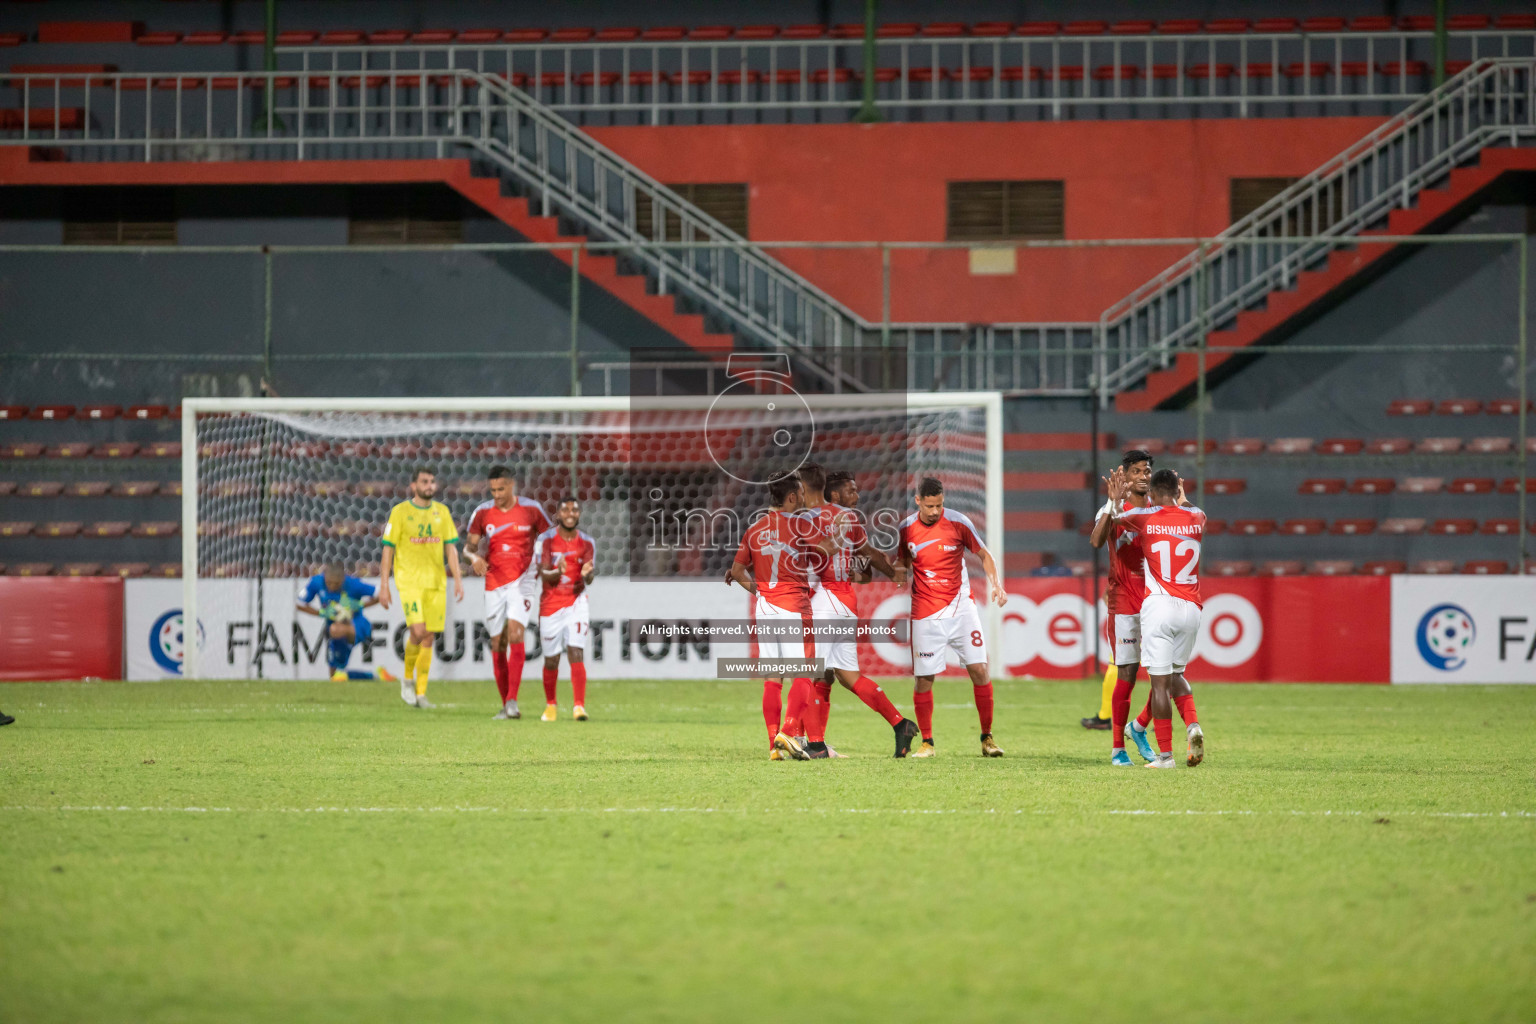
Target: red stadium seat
column 1499, row 527
column 72, row 450
column 1371, row 23
column 145, row 412
column 524, row 35
column 135, row 488
column 16, row 529
column 1470, row 485
column 1501, row 406
column 21, row 450
column 1438, row 445
column 389, row 37
column 1332, row 567
column 161, row 450
column 1253, row 527
column 1290, row 446
column 1511, row 485
column 1404, row 68
column 433, row 37
column 1390, row 446
column 1403, row 525
column 1316, row 69
column 1449, row 527
column 1275, row 25
column 1132, row 28
column 7, row 488
column 1486, row 567
column 1085, row 28
column 128, row 570
column 1283, row 567
column 1423, row 484
column 342, row 37
column 1329, row 485
column 171, row 488
column 805, row 31
column 1322, row 24
column 1373, row 485
column 1241, row 446
column 51, row 412
column 1410, row 407
column 13, row 412
column 1383, row 568
column 1180, row 26
column 1491, row 445
column 1459, row 407
column 1039, row 28
column 582, row 34
column 987, row 29
column 117, row 449
column 1227, row 26
column 1515, row 21
column 1150, row 445
column 1303, row 527
column 476, row 36
column 1215, row 527
column 328, row 488
column 1228, row 567
column 88, row 489
column 1352, row 527
column 98, row 412
column 1211, row 71
column 1340, row 446
column 58, row 531
column 378, row 489
column 31, row 569
column 1226, row 486
column 355, row 449
column 167, row 570
column 108, row 529
column 165, row 528
column 40, row 489
column 1190, row 446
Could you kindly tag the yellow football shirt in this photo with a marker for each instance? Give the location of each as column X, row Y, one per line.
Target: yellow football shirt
column 418, row 534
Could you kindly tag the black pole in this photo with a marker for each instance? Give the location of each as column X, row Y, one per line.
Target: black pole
column 1440, row 43
column 1093, row 502
column 867, row 112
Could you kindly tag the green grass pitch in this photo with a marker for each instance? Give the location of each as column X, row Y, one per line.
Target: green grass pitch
column 316, row 851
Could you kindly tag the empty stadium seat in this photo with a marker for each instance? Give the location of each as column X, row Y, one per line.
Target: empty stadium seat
column 1410, row 407
column 108, row 529
column 1230, row 567
column 51, row 412
column 1328, row 485
column 1038, row 28
column 162, row 450
column 1511, row 485
column 1150, row 445
column 145, row 412
column 1227, row 26
column 992, row 28
column 1490, row 445
column 1132, row 28
column 30, row 569
column 1438, row 445
column 1340, row 446
column 1501, row 407
column 80, row 569
column 135, row 488
column 1403, row 525
column 1447, row 527
column 16, row 529
column 1215, row 527
column 1373, row 485
column 1331, row 567
column 58, row 530
column 1283, row 567
column 1389, row 446
column 7, row 488
column 1275, row 25
column 166, row 528
column 1180, row 26
column 117, row 449
column 1303, row 527
column 98, row 412
column 1383, row 568
column 13, row 412
column 171, row 489
column 1423, row 484
column 1085, row 28
column 40, row 489
column 1226, row 486
column 1241, row 446
column 1189, row 446
column 1404, row 68
column 1499, row 527
column 1486, row 567
column 1470, row 485
column 1459, row 407
column 21, row 450
column 128, row 570
column 72, row 450
column 1521, row 21
column 1348, row 527
column 1254, row 527
column 169, row 570
column 1290, row 446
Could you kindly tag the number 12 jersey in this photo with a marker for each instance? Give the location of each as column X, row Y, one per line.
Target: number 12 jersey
column 1170, row 537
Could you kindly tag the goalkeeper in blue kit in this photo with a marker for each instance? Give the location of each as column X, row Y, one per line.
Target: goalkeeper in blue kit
column 342, row 599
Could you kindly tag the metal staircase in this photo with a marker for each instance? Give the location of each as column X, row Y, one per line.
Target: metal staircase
column 1489, row 104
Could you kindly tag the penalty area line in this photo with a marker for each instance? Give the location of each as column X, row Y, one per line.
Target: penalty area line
column 1051, row 812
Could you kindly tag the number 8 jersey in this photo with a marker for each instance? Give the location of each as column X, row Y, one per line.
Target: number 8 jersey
column 1170, row 537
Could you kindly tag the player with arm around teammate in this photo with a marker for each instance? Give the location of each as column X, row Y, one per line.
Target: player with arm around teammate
column 567, row 561
column 934, row 541
column 1170, row 533
column 506, row 526
column 343, row 598
column 416, row 537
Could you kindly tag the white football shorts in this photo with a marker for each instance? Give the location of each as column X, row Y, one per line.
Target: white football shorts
column 1127, row 639
column 566, row 628
column 827, row 609
column 793, row 645
column 961, row 633
column 1169, row 627
column 517, row 601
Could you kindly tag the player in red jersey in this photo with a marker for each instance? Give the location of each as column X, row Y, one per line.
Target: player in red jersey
column 771, row 564
column 934, row 541
column 509, row 524
column 567, row 560
column 1170, row 533
column 1122, row 598
column 833, row 573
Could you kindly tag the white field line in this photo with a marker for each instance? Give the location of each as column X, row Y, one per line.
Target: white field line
column 105, row 808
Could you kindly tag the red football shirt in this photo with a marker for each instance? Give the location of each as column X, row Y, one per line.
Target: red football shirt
column 939, row 577
column 510, row 534
column 1169, row 537
column 568, row 554
column 777, row 548
column 1127, row 586
column 834, row 573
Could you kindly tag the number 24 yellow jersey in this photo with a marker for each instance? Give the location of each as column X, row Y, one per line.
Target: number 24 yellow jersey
column 418, row 534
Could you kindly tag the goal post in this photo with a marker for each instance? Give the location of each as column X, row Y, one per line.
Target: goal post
column 272, row 488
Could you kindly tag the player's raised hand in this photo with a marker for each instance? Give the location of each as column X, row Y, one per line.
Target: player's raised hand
column 1181, row 499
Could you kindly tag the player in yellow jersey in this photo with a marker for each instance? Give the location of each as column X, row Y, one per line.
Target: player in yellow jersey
column 415, row 537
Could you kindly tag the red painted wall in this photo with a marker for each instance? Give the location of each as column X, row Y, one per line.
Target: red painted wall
column 846, row 182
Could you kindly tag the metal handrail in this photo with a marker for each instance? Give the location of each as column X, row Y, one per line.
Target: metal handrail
column 1375, row 175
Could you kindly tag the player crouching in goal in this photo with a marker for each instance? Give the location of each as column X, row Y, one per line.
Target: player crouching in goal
column 567, row 559
column 415, row 537
column 342, row 600
column 934, row 541
column 508, row 525
column 1170, row 533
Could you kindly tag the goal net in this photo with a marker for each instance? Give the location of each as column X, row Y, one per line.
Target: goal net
column 275, row 489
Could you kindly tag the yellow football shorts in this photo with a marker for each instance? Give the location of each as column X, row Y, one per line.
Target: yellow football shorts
column 428, row 607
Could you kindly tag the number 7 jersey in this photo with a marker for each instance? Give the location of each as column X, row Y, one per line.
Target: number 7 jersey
column 1170, row 537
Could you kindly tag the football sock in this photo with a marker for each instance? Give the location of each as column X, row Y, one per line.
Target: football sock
column 579, row 681
column 551, row 676
column 868, row 691
column 1120, row 710
column 773, row 704
column 1186, row 705
column 1146, row 715
column 423, row 670
column 1107, row 691
column 1164, row 729
column 922, row 705
column 515, row 655
column 796, row 707
column 819, row 711
column 337, row 655
column 499, row 670
column 984, row 707
column 412, row 652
